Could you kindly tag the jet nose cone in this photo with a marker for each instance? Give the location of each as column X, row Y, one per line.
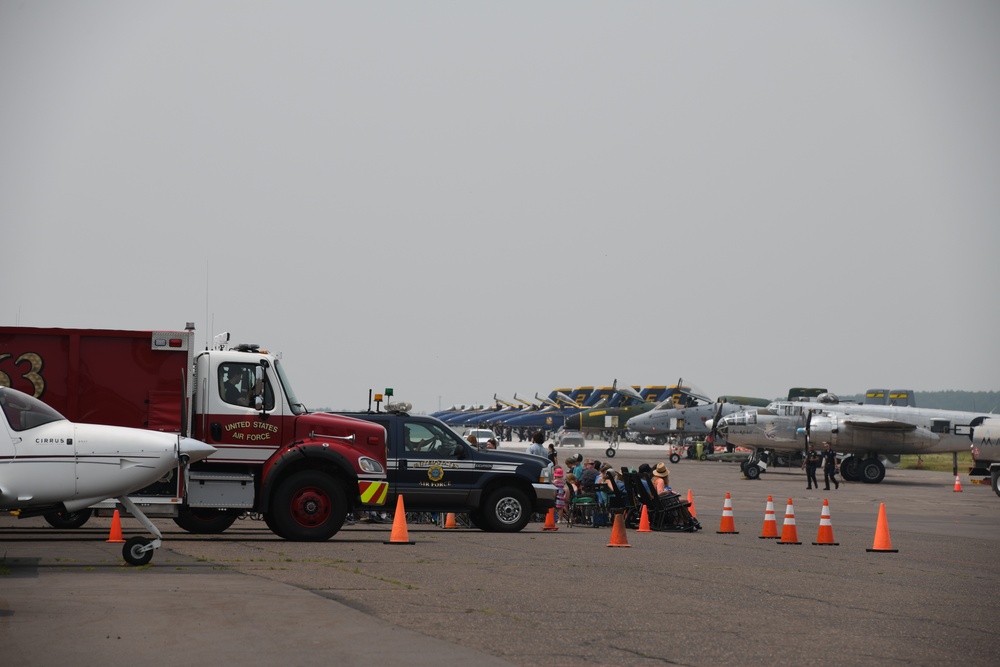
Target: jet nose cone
column 637, row 423
column 195, row 450
column 709, row 423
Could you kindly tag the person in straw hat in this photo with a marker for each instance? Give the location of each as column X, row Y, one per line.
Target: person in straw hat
column 661, row 479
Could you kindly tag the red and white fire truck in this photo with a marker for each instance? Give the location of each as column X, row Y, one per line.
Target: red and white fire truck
column 301, row 472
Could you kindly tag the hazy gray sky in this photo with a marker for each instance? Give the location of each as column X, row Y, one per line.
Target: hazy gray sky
column 455, row 199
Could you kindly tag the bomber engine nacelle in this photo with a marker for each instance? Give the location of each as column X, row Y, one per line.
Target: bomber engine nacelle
column 986, row 441
column 847, row 433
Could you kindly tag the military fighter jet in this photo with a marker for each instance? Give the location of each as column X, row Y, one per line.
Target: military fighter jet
column 864, row 431
column 685, row 413
column 629, row 403
column 557, row 409
column 48, row 464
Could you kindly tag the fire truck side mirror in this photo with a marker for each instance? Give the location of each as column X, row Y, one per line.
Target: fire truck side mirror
column 258, row 390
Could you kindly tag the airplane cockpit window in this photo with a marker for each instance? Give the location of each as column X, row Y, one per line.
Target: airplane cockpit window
column 828, row 398
column 238, row 386
column 742, row 418
column 25, row 412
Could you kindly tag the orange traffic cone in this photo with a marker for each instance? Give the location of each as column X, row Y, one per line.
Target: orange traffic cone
column 882, row 541
column 644, row 521
column 770, row 530
column 958, row 484
column 618, row 538
column 694, row 515
column 825, row 534
column 449, row 520
column 789, row 534
column 400, row 535
column 550, row 520
column 115, row 537
column 728, row 524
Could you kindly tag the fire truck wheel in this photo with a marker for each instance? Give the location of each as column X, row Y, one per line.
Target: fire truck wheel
column 132, row 551
column 507, row 510
column 67, row 519
column 201, row 521
column 309, row 506
column 269, row 520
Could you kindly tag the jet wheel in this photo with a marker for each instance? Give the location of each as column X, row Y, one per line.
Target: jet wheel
column 995, row 481
column 133, row 552
column 752, row 471
column 675, row 458
column 610, row 452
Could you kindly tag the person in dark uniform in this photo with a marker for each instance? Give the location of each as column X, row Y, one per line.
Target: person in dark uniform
column 830, row 466
column 811, row 461
column 234, row 394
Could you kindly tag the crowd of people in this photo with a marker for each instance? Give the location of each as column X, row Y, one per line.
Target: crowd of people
column 592, row 478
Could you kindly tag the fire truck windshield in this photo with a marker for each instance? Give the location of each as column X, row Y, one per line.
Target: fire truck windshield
column 297, row 408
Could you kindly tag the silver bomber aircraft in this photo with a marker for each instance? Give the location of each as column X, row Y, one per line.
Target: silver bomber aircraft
column 862, row 431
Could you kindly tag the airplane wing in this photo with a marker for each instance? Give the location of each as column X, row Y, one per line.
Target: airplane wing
column 878, row 424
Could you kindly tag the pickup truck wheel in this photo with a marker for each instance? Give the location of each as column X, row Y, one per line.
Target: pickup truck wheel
column 202, row 521
column 309, row 506
column 507, row 510
column 67, row 519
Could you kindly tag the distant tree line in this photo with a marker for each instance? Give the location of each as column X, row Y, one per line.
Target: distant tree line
column 969, row 401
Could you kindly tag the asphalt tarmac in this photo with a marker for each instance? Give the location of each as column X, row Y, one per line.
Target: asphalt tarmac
column 536, row 597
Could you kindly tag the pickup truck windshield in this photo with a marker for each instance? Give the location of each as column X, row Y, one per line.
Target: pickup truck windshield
column 293, row 401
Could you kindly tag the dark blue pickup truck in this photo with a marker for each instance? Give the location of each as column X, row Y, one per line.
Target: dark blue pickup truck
column 435, row 470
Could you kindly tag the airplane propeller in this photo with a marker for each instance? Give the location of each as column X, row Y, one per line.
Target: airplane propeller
column 715, row 421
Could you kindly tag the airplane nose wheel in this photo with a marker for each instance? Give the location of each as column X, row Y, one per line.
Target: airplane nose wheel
column 137, row 551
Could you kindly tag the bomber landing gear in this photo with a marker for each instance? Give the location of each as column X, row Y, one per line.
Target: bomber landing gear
column 872, row 471
column 755, row 465
column 850, row 469
column 139, row 550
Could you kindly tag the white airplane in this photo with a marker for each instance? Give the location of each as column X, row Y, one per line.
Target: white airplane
column 49, row 464
column 864, row 431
